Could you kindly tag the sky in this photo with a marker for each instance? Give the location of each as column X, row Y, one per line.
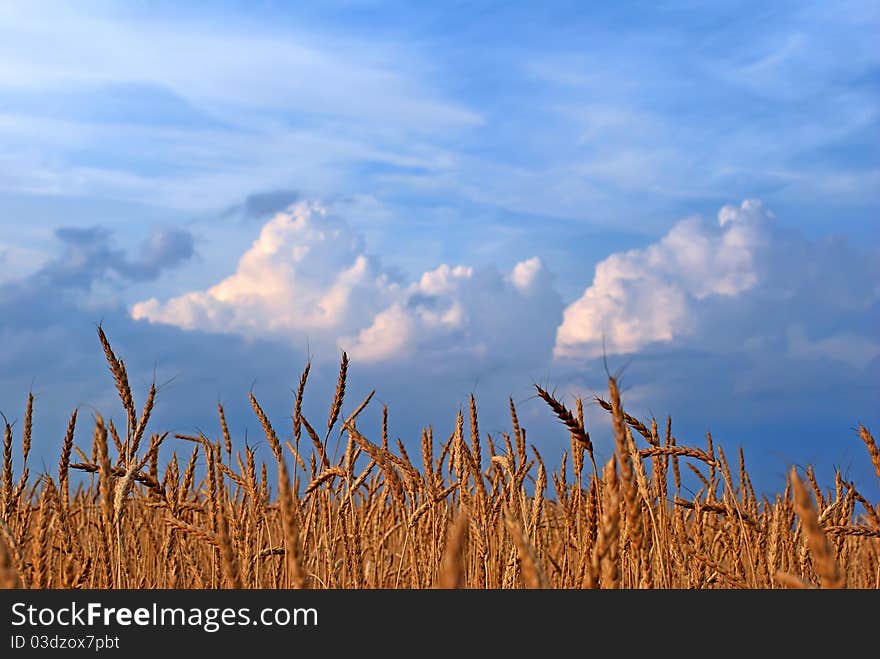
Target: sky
column 467, row 197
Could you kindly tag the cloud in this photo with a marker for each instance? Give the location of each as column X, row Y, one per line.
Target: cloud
column 12, row 268
column 740, row 282
column 759, row 303
column 165, row 248
column 611, row 131
column 263, row 204
column 223, row 66
column 454, row 315
column 260, row 205
column 308, row 280
column 648, row 295
column 741, row 326
column 89, row 255
column 305, row 278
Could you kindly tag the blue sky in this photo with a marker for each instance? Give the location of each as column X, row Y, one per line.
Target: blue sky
column 472, row 197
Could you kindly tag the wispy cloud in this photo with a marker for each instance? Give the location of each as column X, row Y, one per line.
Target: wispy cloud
column 160, row 112
column 608, row 120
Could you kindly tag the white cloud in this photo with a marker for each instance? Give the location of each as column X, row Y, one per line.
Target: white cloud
column 648, row 295
column 308, row 279
column 198, row 113
column 526, row 274
column 739, row 284
column 736, row 309
column 219, row 67
column 464, row 313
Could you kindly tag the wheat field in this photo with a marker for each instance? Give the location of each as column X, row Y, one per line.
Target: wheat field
column 473, row 511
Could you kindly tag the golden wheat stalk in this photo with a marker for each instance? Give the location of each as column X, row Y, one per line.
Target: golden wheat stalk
column 452, row 571
column 823, row 554
column 873, row 450
column 533, row 574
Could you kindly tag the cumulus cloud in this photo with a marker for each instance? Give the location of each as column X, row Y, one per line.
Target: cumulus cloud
column 739, row 282
column 308, row 279
column 741, row 285
column 458, row 313
column 648, row 295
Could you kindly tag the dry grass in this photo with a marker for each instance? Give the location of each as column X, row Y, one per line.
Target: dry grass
column 478, row 512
